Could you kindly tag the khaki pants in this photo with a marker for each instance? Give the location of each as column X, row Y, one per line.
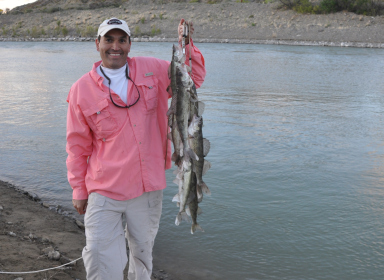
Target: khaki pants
column 105, row 254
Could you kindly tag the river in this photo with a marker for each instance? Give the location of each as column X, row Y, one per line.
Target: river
column 297, row 153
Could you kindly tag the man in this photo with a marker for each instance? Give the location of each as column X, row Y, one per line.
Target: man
column 117, row 150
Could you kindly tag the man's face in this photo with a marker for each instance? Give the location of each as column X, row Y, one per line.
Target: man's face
column 113, row 48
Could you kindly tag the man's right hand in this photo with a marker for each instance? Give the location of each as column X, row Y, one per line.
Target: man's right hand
column 80, row 205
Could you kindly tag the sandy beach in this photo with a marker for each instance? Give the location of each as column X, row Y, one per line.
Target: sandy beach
column 30, row 230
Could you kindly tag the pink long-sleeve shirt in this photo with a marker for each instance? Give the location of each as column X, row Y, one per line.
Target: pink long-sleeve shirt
column 121, row 153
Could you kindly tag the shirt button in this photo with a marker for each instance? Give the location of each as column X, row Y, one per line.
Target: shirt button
column 139, row 142
column 103, row 139
column 98, row 113
column 134, row 125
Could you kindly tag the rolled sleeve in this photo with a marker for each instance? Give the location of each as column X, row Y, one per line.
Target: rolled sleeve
column 198, row 64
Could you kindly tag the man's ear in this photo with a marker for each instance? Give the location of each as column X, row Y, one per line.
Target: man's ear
column 97, row 45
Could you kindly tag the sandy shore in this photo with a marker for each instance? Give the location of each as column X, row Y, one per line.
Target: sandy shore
column 226, row 22
column 29, row 230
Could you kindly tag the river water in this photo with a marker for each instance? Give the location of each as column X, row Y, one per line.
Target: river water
column 297, row 156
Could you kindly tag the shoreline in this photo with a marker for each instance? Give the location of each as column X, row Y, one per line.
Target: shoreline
column 221, row 41
column 30, row 230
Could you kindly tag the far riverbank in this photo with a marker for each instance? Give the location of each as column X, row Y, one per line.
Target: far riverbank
column 226, row 22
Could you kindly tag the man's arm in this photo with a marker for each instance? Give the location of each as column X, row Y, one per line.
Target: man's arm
column 79, row 148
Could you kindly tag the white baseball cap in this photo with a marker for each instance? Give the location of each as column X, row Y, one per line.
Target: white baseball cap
column 113, row 23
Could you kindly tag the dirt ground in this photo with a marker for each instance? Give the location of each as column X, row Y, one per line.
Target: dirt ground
column 27, row 229
column 228, row 21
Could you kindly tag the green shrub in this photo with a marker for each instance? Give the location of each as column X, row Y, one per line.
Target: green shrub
column 365, row 7
column 142, row 20
column 34, row 32
column 155, row 31
column 64, row 31
column 89, row 31
column 329, row 6
column 137, row 31
column 5, row 30
column 53, row 10
column 304, row 7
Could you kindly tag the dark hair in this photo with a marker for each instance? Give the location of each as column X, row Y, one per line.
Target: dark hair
column 129, row 38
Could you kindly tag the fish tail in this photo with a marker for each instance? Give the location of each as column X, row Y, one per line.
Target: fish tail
column 182, row 216
column 196, row 227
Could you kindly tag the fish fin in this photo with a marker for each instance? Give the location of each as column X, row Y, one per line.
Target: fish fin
column 176, row 198
column 188, row 211
column 191, row 154
column 176, row 181
column 182, row 216
column 178, row 219
column 201, row 108
column 199, row 211
column 204, row 188
column 206, row 167
column 206, row 146
column 193, row 98
column 196, row 227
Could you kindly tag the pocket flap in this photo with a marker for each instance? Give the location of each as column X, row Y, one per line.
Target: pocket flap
column 94, row 109
column 145, row 81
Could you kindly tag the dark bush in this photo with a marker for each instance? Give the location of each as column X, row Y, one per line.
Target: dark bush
column 329, row 6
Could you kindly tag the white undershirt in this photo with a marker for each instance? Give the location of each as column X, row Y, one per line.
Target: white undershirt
column 119, row 82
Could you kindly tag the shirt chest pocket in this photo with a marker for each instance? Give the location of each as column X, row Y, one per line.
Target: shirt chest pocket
column 100, row 120
column 149, row 90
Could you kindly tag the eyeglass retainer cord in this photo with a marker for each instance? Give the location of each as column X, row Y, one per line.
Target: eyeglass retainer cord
column 109, row 87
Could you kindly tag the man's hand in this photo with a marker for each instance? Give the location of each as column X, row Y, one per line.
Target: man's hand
column 180, row 30
column 80, row 205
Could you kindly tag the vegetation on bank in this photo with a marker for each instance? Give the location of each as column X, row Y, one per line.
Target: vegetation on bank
column 60, row 30
column 363, row 7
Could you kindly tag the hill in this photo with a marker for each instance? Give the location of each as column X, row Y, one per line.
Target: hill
column 225, row 21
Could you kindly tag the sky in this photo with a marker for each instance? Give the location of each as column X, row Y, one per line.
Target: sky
column 13, row 3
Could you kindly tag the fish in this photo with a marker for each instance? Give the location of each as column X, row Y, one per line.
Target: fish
column 190, row 147
column 193, row 207
column 182, row 84
column 201, row 146
column 185, row 196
